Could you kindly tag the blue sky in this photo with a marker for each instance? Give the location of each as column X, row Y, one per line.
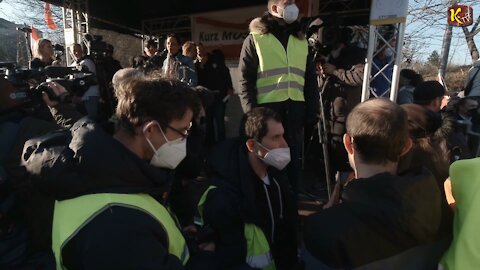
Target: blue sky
column 432, row 38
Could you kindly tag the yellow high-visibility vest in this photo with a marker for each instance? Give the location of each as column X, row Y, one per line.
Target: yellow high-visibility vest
column 258, row 249
column 280, row 74
column 464, row 251
column 70, row 216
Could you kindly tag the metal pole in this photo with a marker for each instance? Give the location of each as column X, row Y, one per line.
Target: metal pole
column 447, row 40
column 368, row 64
column 398, row 60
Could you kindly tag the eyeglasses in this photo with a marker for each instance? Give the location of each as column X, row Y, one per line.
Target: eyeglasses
column 184, row 133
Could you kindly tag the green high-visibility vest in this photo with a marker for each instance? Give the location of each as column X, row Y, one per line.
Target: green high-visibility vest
column 280, row 74
column 464, row 251
column 70, row 216
column 258, row 249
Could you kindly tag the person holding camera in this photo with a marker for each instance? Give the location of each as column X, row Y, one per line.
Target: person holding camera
column 22, row 242
column 90, row 99
column 109, row 190
column 249, row 204
column 342, row 78
column 43, row 54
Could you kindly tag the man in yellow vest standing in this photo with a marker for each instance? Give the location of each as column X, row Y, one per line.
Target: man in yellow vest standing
column 278, row 72
column 108, row 189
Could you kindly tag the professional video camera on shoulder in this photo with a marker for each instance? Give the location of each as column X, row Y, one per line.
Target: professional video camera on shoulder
column 23, row 88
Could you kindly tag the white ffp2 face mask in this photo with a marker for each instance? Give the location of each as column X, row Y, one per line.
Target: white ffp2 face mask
column 290, row 13
column 277, row 158
column 170, row 154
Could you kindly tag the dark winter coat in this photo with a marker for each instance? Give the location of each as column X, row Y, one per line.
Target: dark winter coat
column 88, row 160
column 240, row 198
column 380, row 217
column 249, row 63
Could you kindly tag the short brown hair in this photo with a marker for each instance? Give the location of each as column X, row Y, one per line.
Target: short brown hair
column 379, row 129
column 152, row 98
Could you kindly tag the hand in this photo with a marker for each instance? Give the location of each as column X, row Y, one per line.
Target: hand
column 336, row 194
column 319, row 70
column 32, row 83
column 207, row 246
column 191, row 229
column 57, row 89
column 328, row 68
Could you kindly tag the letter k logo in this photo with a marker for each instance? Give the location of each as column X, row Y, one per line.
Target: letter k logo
column 454, row 15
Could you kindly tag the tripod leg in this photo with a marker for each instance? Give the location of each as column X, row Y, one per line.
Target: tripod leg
column 323, row 139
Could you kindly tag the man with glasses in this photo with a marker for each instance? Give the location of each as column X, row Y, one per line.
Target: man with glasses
column 108, row 191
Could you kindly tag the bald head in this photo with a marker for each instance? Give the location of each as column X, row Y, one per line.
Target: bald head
column 379, row 130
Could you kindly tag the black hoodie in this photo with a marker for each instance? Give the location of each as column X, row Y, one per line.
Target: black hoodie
column 240, row 198
column 87, row 160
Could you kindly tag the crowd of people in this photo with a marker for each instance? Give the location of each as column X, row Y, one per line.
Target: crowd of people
column 82, row 190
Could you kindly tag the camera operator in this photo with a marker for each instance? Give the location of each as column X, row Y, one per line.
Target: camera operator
column 20, row 243
column 90, row 98
column 344, row 71
column 43, row 54
column 154, row 58
column 112, row 65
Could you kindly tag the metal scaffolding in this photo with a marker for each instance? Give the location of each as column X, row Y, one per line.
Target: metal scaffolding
column 375, row 37
column 75, row 23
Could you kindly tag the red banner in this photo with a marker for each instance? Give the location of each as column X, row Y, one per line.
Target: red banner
column 48, row 17
column 35, row 36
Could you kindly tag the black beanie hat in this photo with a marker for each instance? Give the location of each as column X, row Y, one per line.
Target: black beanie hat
column 427, row 91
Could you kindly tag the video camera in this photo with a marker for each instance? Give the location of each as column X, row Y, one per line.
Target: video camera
column 22, row 88
column 98, row 47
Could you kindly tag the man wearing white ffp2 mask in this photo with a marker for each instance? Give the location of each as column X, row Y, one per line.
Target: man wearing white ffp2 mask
column 289, row 12
column 120, row 179
column 277, row 72
column 248, row 180
column 171, row 152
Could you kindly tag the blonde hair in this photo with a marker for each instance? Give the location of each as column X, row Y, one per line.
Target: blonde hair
column 38, row 47
column 189, row 48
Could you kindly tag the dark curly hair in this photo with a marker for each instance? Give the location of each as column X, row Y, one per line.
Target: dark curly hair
column 255, row 123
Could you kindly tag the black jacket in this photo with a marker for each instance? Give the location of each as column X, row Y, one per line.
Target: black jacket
column 249, row 63
column 87, row 160
column 379, row 217
column 240, row 198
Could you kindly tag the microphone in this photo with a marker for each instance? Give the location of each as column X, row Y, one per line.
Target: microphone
column 24, row 29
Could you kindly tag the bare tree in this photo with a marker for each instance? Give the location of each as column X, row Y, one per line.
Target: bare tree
column 430, row 16
column 469, row 35
column 31, row 12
